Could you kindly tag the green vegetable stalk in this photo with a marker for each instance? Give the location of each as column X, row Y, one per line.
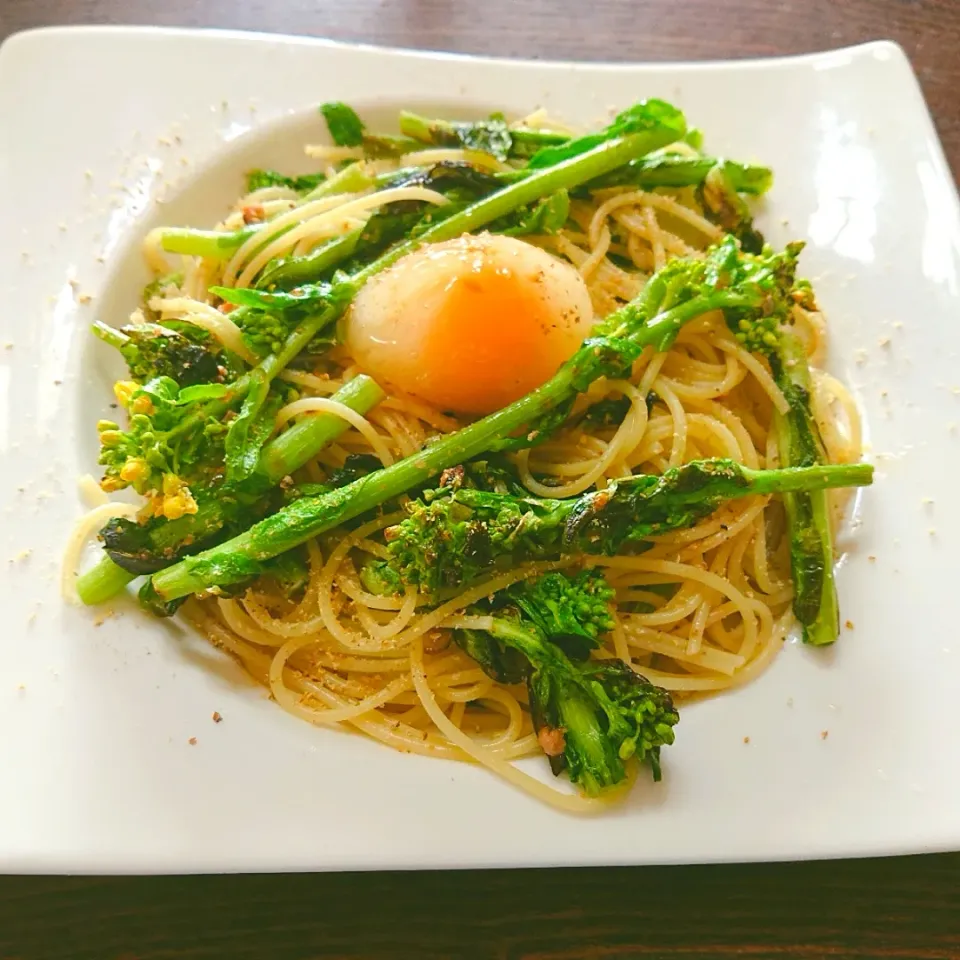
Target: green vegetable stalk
column 222, row 244
column 456, row 535
column 676, row 170
column 591, row 716
column 725, row 279
column 326, row 302
column 151, row 350
column 217, row 244
column 815, row 600
column 281, row 457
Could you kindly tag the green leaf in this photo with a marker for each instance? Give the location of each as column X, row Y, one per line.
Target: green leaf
column 452, row 178
column 646, row 115
column 302, row 296
column 258, row 179
column 548, row 216
column 610, row 411
column 346, row 128
column 202, row 391
column 245, row 436
column 163, row 391
column 490, row 136
column 503, row 664
column 152, row 350
column 156, row 287
column 150, row 600
column 536, row 432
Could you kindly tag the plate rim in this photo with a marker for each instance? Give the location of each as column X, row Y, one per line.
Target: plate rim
column 538, row 66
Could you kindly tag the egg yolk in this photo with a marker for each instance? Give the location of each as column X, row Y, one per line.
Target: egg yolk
column 471, row 324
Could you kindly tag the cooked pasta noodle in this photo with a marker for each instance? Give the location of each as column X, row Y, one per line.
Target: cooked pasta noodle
column 702, row 610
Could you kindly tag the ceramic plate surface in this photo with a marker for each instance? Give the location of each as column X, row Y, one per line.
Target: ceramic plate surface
column 851, row 751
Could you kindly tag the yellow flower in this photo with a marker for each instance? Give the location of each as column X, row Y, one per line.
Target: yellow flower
column 123, row 390
column 171, row 484
column 177, row 498
column 142, row 405
column 135, row 470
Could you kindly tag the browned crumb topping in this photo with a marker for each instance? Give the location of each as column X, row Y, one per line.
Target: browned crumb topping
column 552, row 740
column 253, row 213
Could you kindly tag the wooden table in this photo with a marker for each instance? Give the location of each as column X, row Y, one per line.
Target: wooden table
column 905, row 908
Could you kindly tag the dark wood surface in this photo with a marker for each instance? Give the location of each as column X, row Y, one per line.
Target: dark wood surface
column 903, row 908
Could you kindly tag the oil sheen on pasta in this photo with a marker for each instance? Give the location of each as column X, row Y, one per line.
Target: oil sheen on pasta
column 703, row 610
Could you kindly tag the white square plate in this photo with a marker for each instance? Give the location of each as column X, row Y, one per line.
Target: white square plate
column 96, row 772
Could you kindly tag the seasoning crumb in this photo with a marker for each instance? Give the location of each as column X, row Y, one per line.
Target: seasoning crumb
column 884, row 341
column 824, row 734
column 789, row 701
column 192, row 741
column 872, row 558
column 932, row 531
column 8, row 345
column 216, row 717
column 84, row 298
column 849, row 624
column 21, row 687
column 746, row 739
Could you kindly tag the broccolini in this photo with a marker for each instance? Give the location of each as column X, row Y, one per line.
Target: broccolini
column 317, row 306
column 726, row 279
column 591, row 716
column 454, row 534
column 815, row 602
column 152, row 350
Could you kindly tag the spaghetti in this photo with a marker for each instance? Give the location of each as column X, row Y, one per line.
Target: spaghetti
column 702, row 610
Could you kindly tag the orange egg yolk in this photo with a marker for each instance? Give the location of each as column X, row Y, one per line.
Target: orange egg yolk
column 472, row 324
column 489, row 344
